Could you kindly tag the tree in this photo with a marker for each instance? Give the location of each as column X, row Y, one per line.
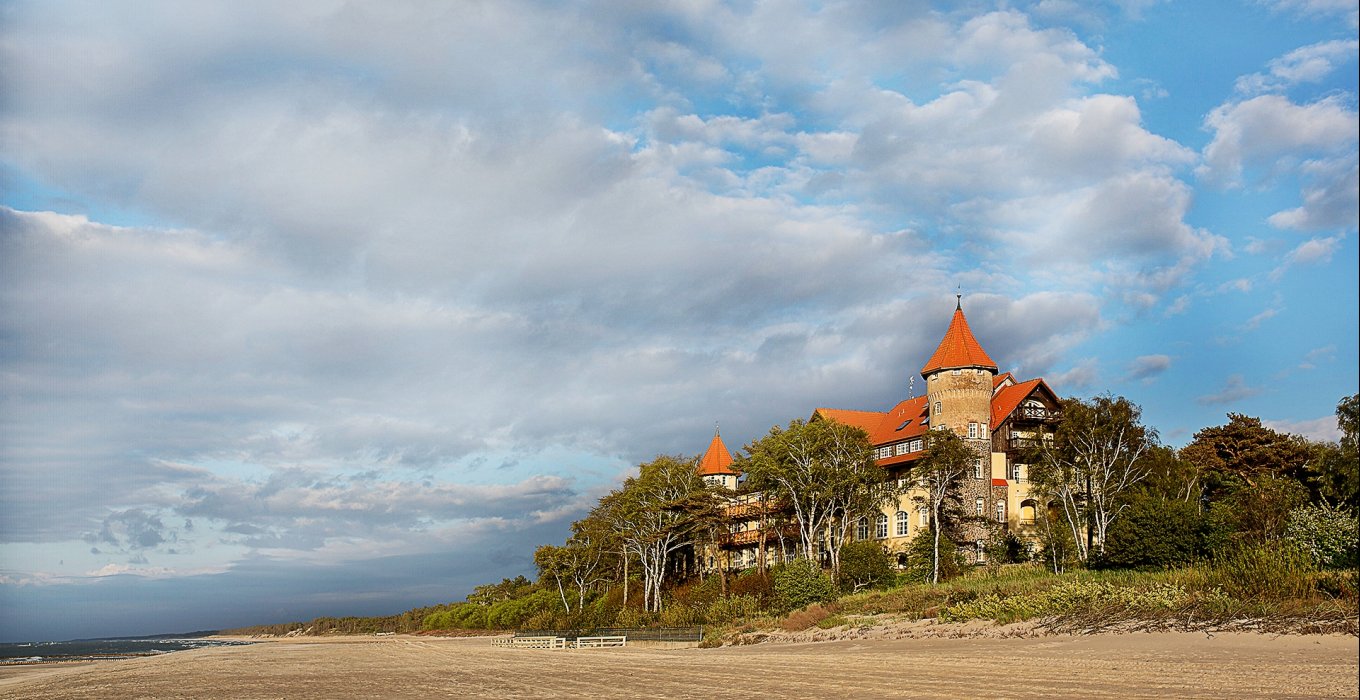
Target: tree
column 1334, row 474
column 1095, row 458
column 1243, row 452
column 655, row 518
column 825, row 472
column 575, row 565
column 1170, row 477
column 939, row 472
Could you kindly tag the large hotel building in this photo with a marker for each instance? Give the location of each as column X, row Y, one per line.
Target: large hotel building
column 994, row 412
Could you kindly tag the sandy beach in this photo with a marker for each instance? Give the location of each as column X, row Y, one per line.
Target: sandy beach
column 1135, row 665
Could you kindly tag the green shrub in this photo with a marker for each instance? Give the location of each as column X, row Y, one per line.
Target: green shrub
column 1331, row 536
column 865, row 564
column 801, row 582
column 1155, row 533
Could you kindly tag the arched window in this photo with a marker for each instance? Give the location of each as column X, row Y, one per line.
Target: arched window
column 903, row 522
column 1001, row 512
column 980, row 506
column 862, row 529
column 923, row 516
column 881, row 526
column 1028, row 510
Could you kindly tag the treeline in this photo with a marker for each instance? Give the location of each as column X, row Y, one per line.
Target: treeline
column 1240, row 503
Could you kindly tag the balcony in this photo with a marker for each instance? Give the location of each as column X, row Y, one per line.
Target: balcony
column 1024, row 443
column 1037, row 413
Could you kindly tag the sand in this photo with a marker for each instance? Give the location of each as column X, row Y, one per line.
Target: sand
column 1134, row 665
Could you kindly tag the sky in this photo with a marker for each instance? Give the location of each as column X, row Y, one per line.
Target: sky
column 332, row 308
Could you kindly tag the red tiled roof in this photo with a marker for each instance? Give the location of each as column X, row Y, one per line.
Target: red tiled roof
column 998, row 482
column 885, row 426
column 958, row 348
column 1008, row 398
column 999, row 379
column 716, row 460
column 1011, row 397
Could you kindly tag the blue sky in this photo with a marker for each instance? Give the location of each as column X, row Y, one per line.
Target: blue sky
column 325, row 308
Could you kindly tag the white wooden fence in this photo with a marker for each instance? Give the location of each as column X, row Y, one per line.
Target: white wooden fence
column 560, row 642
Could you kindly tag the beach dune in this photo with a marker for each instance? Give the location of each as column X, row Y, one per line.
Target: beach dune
column 1135, row 665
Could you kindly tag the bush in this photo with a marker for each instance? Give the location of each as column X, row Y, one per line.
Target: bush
column 1155, row 533
column 807, row 617
column 865, row 564
column 920, row 555
column 800, row 583
column 1266, row 573
column 754, row 583
column 1331, row 536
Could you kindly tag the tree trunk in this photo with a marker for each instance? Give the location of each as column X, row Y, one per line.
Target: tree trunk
column 625, row 576
column 935, row 526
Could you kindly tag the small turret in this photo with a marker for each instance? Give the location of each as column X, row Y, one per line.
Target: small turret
column 716, row 465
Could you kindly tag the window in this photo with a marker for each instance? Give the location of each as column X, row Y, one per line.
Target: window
column 981, row 555
column 977, row 468
column 915, row 445
column 905, row 423
column 881, row 526
column 972, row 430
column 883, row 452
column 983, row 431
column 1001, row 512
column 862, row 529
column 1027, row 511
column 902, row 521
column 901, row 448
column 939, row 406
column 980, row 506
column 922, row 516
column 1016, row 472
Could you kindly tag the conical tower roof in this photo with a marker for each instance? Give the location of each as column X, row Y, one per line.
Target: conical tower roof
column 716, row 460
column 958, row 348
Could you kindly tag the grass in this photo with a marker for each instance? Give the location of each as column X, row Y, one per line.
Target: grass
column 1254, row 589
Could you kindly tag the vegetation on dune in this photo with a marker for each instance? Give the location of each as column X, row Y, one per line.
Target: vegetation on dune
column 1244, row 527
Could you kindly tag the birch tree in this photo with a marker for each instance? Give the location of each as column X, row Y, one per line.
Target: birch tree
column 825, row 472
column 656, row 519
column 938, row 473
column 1095, row 458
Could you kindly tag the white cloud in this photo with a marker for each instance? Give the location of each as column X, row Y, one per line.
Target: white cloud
column 1234, row 389
column 1082, row 375
column 1270, row 131
column 1331, row 197
column 1324, row 429
column 1310, row 252
column 1308, row 64
column 1320, row 8
column 1148, row 367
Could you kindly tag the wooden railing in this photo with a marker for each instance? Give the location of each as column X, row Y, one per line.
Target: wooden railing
column 1037, row 413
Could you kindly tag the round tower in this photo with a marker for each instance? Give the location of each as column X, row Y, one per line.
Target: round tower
column 959, row 386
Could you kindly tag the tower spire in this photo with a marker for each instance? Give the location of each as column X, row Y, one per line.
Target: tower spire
column 958, row 348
